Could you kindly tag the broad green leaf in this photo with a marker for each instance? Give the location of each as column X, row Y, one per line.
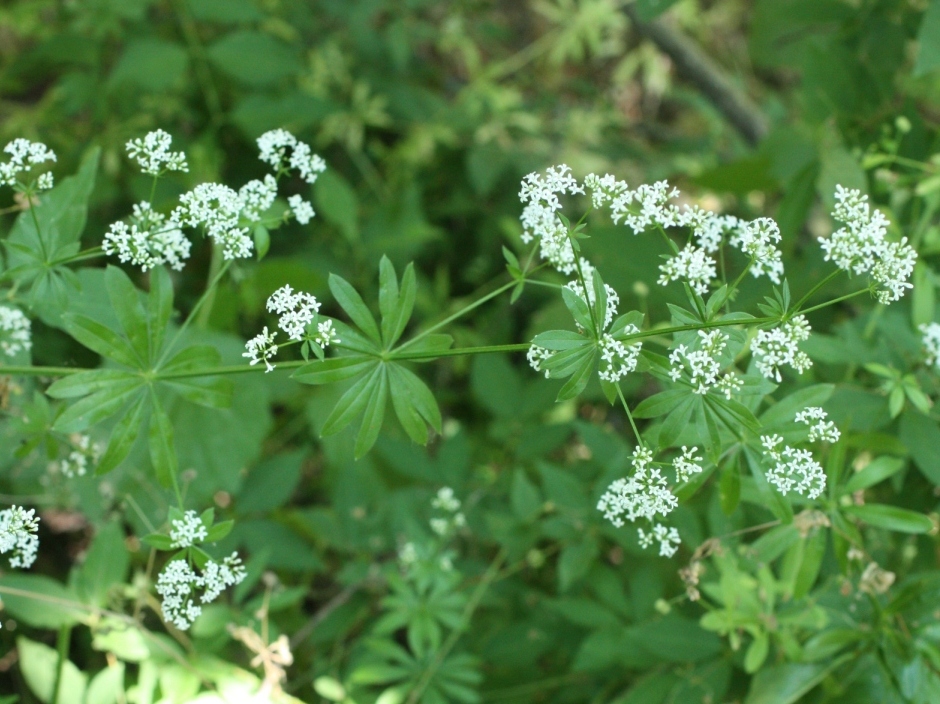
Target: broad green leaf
column 729, row 487
column 813, row 552
column 336, row 200
column 192, row 358
column 159, row 308
column 213, row 391
column 676, row 421
column 785, row 410
column 351, row 302
column 123, row 435
column 661, row 403
column 774, row 543
column 84, row 383
column 107, row 687
column 557, row 340
column 151, row 64
column 40, row 601
column 414, row 404
column 218, row 531
column 253, row 58
column 334, row 369
column 828, row 643
column 95, row 407
column 39, row 664
column 920, row 434
column 567, row 362
column 388, row 290
column 579, row 378
column 374, row 413
column 162, row 450
column 125, row 302
column 891, row 518
column 756, row 653
column 394, row 322
column 788, row 683
column 874, row 472
column 102, row 339
column 575, row 562
column 262, row 239
column 352, row 402
column 928, row 40
column 578, row 308
column 105, row 565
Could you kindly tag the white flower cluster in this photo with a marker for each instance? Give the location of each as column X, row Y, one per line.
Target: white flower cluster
column 819, row 427
column 149, row 241
column 642, row 207
column 703, row 365
column 450, row 504
column 297, row 310
column 861, row 246
column 84, row 453
column 642, row 495
column 758, row 240
column 540, row 215
column 693, row 265
column 273, row 146
column 794, row 470
column 24, row 155
column 536, row 355
column 179, row 585
column 187, row 530
column 687, row 464
column 668, row 538
column 302, row 209
column 586, row 292
column 261, row 348
column 774, row 348
column 618, row 359
column 931, row 343
column 15, row 331
column 256, row 197
column 18, row 528
column 218, row 209
column 153, row 154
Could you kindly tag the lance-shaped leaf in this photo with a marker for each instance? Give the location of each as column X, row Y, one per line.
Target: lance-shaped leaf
column 396, row 305
column 414, row 403
column 159, row 309
column 578, row 308
column 162, row 448
column 579, row 377
column 353, row 401
column 374, row 412
column 88, row 382
column 125, row 302
column 102, row 339
column 95, row 407
column 557, row 340
column 351, row 302
column 123, row 436
column 427, row 346
column 332, row 370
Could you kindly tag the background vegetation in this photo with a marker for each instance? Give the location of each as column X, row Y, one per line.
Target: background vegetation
column 428, row 114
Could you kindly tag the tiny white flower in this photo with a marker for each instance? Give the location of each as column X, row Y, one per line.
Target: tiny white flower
column 148, row 241
column 273, row 147
column 179, row 586
column 256, row 197
column 793, row 470
column 261, row 348
column 668, row 539
column 302, row 209
column 188, row 530
column 84, row 454
column 931, row 343
column 692, row 265
column 45, row 181
column 758, row 239
column 618, row 359
column 775, row 348
column 15, row 331
column 821, row 429
column 446, row 501
column 687, row 464
column 18, row 528
column 326, row 335
column 539, row 193
column 642, row 495
column 536, row 355
column 297, row 311
column 153, row 154
column 218, row 210
column 703, row 366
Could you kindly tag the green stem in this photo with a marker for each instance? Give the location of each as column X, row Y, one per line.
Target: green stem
column 835, row 300
column 636, row 431
column 192, row 314
column 32, row 212
column 737, row 282
column 62, row 648
column 816, row 288
column 215, row 265
column 415, row 696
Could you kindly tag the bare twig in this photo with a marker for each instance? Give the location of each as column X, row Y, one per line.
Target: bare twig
column 695, row 66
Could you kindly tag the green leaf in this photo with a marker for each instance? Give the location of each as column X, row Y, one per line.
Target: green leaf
column 352, row 402
column 192, row 359
column 39, row 664
column 336, row 200
column 662, row 403
column 579, row 378
column 891, row 518
column 729, row 487
column 105, row 565
column 329, row 371
column 785, row 410
column 351, row 302
column 107, row 687
column 928, row 41
column 414, row 403
column 101, row 339
column 525, row 497
column 212, row 392
column 578, row 308
column 575, row 562
column 398, row 313
column 435, row 343
column 125, row 302
column 94, row 408
column 253, row 58
column 41, row 602
column 920, row 434
column 557, row 340
column 151, row 64
column 873, row 473
column 84, row 383
column 567, row 362
column 159, row 541
column 814, row 550
column 162, row 450
column 786, row 684
column 159, row 308
column 122, row 439
column 374, row 413
column 676, row 421
column 219, row 531
column 756, row 653
column 262, row 239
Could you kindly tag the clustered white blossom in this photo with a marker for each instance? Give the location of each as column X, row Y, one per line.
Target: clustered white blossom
column 931, row 343
column 450, row 504
column 861, row 246
column 819, row 427
column 188, row 530
column 274, row 145
column 703, row 365
column 642, row 495
column 179, row 585
column 536, row 355
column 302, row 209
column 326, row 335
column 586, row 292
column 24, row 155
column 668, row 538
column 687, row 464
column 645, row 206
column 692, row 265
column 15, row 331
column 218, row 209
column 540, row 215
column 297, row 310
column 153, row 154
column 794, row 470
column 149, row 241
column 261, row 348
column 18, row 528
column 618, row 359
column 256, row 197
column 775, row 348
column 83, row 454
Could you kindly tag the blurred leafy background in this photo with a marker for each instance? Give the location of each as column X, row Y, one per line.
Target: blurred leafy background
column 429, row 113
